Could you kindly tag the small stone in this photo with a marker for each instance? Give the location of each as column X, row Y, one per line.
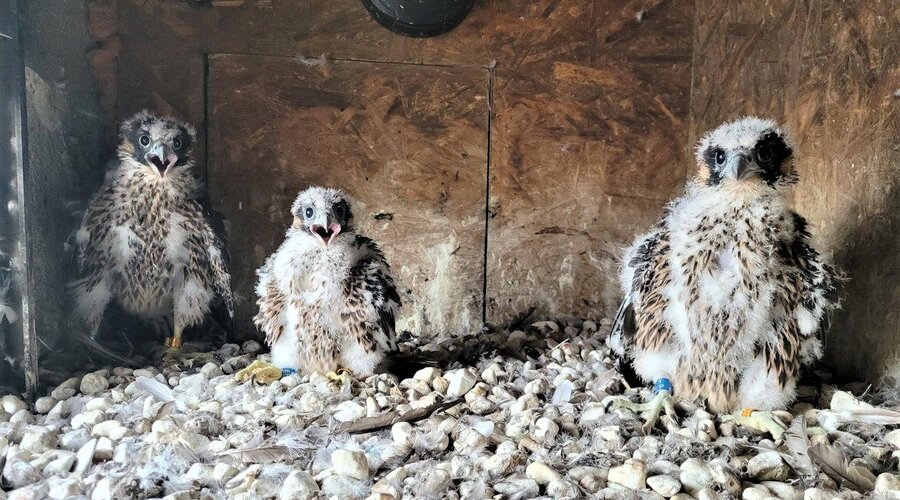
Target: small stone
column 461, row 381
column 223, row 472
column 349, row 411
column 105, row 449
column 343, row 487
column 893, row 438
column 562, row 489
column 782, row 490
column 211, row 370
column 435, row 483
column 403, row 433
column 427, row 374
column 517, row 488
column 755, row 494
column 469, row 440
column 251, row 347
column 12, row 404
column 85, row 456
column 887, row 482
column 298, row 485
column 767, row 466
column 44, row 405
column 545, row 430
column 92, row 383
column 632, row 474
column 88, row 418
column 666, row 486
column 111, row 429
column 819, row 494
column 62, row 464
column 541, row 473
column 200, row 473
column 38, row 440
column 350, row 463
column 695, row 475
column 67, row 488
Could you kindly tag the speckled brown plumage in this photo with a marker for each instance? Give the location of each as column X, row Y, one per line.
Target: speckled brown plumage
column 725, row 296
column 145, row 241
column 327, row 298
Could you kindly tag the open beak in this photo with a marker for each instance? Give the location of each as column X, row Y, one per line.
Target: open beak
column 739, row 166
column 326, row 235
column 161, row 158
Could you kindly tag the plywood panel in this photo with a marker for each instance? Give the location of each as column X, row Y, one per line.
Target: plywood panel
column 408, row 142
column 829, row 71
column 589, row 143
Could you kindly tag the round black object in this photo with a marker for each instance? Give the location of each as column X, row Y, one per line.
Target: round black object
column 419, row 18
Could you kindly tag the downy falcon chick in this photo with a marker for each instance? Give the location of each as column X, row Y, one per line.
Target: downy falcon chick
column 725, row 298
column 327, row 298
column 145, row 241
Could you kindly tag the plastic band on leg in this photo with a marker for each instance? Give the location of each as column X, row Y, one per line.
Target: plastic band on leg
column 662, row 384
column 286, row 372
column 746, row 412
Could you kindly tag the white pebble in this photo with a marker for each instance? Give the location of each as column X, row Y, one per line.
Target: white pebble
column 767, row 466
column 12, row 404
column 542, row 474
column 350, row 463
column 461, row 381
column 92, row 383
column 695, row 475
column 632, row 474
column 44, row 405
column 298, row 484
column 349, row 411
column 545, row 430
column 666, row 486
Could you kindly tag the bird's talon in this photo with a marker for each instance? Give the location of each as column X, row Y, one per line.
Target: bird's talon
column 342, row 376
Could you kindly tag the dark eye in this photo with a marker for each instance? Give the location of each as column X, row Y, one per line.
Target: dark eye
column 764, row 153
column 145, row 140
column 339, row 211
column 720, row 157
column 177, row 143
column 309, row 212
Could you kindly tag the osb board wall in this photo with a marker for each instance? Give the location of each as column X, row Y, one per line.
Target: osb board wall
column 408, row 142
column 830, row 71
column 588, row 131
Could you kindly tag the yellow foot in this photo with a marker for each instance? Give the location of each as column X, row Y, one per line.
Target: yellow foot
column 342, row 376
column 763, row 421
column 649, row 411
column 258, row 371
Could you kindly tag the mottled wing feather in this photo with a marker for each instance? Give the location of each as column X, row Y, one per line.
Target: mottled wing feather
column 807, row 289
column 271, row 302
column 639, row 321
column 372, row 299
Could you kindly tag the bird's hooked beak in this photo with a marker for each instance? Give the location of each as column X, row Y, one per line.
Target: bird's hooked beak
column 325, row 231
column 740, row 166
column 161, row 157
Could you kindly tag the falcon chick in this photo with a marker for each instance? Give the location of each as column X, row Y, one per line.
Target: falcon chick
column 326, row 297
column 725, row 299
column 145, row 241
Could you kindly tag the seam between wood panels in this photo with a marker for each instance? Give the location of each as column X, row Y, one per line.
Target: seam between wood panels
column 487, row 194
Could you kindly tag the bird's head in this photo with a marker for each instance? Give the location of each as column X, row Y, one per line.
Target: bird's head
column 749, row 152
column 160, row 146
column 321, row 213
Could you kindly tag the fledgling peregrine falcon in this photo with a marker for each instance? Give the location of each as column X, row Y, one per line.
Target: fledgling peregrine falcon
column 725, row 299
column 145, row 241
column 327, row 298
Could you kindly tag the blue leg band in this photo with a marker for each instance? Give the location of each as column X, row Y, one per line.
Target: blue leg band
column 662, row 384
column 285, row 372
